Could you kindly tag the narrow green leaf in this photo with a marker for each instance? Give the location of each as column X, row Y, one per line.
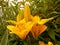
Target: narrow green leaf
column 58, row 20
column 58, row 35
column 51, row 33
column 4, row 39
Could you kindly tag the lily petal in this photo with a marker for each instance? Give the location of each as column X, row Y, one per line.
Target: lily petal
column 13, row 29
column 43, row 21
column 36, row 19
column 21, row 22
column 18, row 17
column 37, row 30
column 27, row 14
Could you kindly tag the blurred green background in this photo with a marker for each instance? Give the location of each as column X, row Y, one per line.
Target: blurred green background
column 45, row 8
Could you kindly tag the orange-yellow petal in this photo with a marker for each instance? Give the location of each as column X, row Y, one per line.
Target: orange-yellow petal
column 36, row 19
column 27, row 14
column 21, row 22
column 43, row 21
column 18, row 17
column 13, row 29
column 37, row 30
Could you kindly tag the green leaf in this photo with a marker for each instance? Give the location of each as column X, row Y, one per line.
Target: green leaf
column 58, row 20
column 4, row 39
column 51, row 33
column 58, row 35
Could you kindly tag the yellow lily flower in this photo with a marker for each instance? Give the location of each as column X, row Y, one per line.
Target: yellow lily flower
column 38, row 26
column 21, row 27
column 28, row 23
